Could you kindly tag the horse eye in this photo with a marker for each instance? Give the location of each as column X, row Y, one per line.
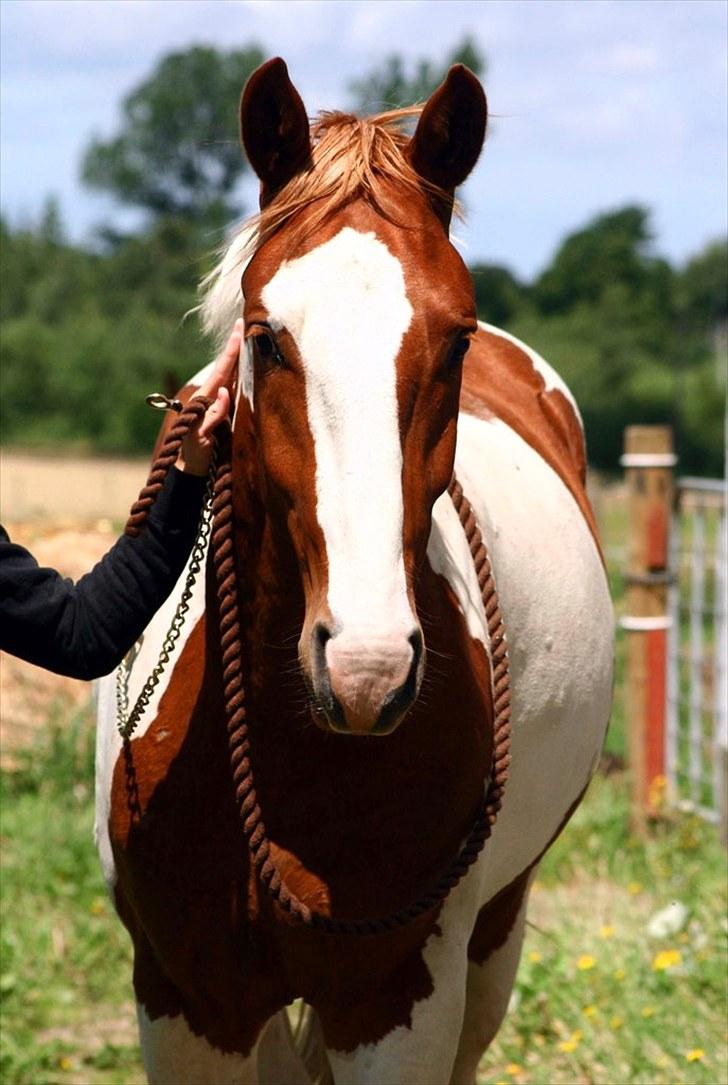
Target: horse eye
column 458, row 352
column 268, row 349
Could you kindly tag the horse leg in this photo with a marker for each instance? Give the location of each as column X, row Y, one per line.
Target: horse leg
column 279, row 1062
column 173, row 1053
column 422, row 1054
column 422, row 1051
column 490, row 981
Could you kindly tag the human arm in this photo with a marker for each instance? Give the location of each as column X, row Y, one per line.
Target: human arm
column 84, row 629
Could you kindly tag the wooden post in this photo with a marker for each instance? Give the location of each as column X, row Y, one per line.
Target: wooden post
column 648, row 461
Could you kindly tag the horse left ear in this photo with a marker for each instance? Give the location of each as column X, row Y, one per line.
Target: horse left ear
column 274, row 128
column 450, row 133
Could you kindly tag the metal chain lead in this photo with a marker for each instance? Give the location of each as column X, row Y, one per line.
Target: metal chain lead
column 126, row 725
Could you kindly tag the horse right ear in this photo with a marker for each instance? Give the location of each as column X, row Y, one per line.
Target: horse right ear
column 274, row 128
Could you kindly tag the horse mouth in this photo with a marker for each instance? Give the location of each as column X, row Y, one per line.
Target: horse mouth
column 368, row 706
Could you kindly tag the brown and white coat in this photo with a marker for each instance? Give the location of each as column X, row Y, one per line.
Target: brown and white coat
column 366, row 651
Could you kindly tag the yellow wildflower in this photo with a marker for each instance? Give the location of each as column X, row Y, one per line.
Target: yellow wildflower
column 97, row 906
column 666, row 959
column 590, row 1011
column 656, row 791
column 534, row 956
column 619, row 974
column 572, row 1043
column 606, row 931
column 648, row 1011
column 634, row 889
column 513, row 1069
column 616, row 1023
column 696, row 1055
column 585, row 962
column 64, row 1063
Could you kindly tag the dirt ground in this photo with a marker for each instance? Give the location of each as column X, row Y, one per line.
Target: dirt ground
column 36, row 488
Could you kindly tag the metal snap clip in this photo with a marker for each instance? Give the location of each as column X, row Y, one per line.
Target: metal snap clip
column 160, row 402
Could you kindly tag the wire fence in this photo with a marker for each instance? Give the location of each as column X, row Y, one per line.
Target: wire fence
column 697, row 679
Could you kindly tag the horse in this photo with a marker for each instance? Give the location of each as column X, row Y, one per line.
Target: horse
column 364, row 648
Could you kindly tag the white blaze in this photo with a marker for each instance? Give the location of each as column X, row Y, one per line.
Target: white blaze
column 345, row 305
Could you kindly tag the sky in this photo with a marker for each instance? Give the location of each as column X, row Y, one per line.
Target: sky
column 594, row 103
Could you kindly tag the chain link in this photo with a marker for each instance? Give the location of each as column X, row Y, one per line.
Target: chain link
column 127, row 724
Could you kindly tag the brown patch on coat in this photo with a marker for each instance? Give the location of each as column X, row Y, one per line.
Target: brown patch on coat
column 500, row 379
column 496, row 918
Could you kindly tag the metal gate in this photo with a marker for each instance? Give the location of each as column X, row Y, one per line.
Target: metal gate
column 697, row 672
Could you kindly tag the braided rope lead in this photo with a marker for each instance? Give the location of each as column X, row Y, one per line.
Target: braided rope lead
column 223, row 558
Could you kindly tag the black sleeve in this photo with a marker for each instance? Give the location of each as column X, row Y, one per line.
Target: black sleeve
column 84, row 630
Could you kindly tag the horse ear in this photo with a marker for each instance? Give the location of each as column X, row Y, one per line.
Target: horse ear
column 274, row 128
column 450, row 133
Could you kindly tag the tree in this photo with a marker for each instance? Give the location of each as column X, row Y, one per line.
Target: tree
column 392, row 86
column 178, row 151
column 702, row 285
column 611, row 249
column 498, row 294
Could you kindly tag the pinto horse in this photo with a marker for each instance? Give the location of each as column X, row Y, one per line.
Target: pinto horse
column 364, row 380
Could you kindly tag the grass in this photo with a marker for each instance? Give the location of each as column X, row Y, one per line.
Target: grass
column 65, row 976
column 597, row 999
column 591, row 1003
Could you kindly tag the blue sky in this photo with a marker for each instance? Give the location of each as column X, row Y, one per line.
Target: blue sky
column 597, row 102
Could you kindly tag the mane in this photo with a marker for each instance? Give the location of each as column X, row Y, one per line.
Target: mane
column 352, row 157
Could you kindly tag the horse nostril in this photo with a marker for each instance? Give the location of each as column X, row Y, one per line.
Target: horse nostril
column 321, row 636
column 417, row 643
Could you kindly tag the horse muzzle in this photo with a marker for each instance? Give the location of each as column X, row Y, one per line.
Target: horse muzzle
column 364, row 681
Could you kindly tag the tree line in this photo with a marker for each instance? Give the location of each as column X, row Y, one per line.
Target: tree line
column 88, row 331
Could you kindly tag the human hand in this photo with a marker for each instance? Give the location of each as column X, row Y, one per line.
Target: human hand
column 196, row 451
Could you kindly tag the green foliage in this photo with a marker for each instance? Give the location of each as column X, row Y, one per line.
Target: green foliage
column 498, row 294
column 635, row 339
column 393, row 86
column 178, row 149
column 86, row 336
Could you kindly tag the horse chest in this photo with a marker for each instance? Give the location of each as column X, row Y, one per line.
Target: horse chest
column 358, row 827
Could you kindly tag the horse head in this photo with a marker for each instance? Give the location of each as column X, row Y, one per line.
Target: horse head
column 358, row 313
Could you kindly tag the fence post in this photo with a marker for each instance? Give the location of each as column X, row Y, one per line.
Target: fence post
column 648, row 461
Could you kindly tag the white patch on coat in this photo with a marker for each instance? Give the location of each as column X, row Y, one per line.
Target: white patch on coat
column 346, row 307
column 145, row 656
column 173, row 1053
column 551, row 378
column 448, row 553
column 559, row 625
